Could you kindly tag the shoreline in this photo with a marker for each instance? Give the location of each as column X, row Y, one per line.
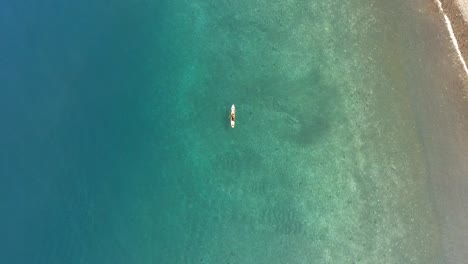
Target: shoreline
column 457, row 26
column 440, row 99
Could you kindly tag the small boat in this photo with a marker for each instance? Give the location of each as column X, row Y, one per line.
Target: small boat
column 233, row 116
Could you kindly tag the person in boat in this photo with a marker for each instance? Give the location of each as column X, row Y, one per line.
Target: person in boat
column 233, row 116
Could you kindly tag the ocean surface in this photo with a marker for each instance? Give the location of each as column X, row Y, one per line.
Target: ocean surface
column 115, row 144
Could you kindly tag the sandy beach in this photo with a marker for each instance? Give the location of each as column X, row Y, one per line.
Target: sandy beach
column 463, row 5
column 457, row 14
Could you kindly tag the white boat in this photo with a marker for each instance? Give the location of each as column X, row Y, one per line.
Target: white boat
column 232, row 116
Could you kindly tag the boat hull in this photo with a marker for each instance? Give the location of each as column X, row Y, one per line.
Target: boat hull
column 233, row 111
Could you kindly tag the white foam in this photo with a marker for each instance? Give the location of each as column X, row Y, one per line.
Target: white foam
column 452, row 36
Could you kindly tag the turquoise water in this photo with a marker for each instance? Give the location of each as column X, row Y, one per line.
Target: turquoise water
column 118, row 147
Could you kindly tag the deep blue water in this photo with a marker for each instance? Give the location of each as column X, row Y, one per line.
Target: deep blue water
column 77, row 87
